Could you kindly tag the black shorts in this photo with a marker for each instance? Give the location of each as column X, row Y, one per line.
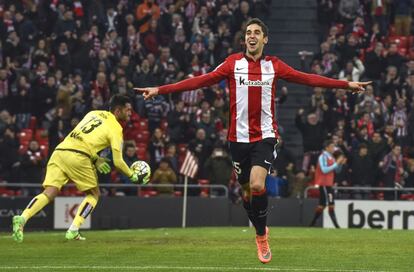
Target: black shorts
column 245, row 155
column 326, row 196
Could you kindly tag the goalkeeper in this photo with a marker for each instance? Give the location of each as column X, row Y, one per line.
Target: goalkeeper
column 76, row 159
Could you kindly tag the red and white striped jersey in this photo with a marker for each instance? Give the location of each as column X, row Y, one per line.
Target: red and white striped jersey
column 252, row 87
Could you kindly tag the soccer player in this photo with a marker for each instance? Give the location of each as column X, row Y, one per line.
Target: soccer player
column 252, row 132
column 324, row 177
column 76, row 159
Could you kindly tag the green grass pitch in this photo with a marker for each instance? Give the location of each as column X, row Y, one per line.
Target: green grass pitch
column 211, row 249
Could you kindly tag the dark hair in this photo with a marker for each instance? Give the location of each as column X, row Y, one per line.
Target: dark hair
column 362, row 146
column 259, row 22
column 327, row 143
column 337, row 154
column 118, row 101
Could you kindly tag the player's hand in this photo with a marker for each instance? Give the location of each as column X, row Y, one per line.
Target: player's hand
column 134, row 178
column 148, row 92
column 358, row 87
column 102, row 165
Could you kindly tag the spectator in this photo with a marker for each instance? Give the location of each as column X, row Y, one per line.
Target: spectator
column 13, row 47
column 65, row 26
column 348, row 9
column 33, row 163
column 10, row 160
column 46, row 97
column 130, row 156
column 353, row 70
column 318, row 104
column 339, row 108
column 361, row 170
column 403, row 13
column 156, row 110
column 285, row 161
column 219, row 169
column 207, row 125
column 313, row 134
column 178, row 121
column 409, row 180
column 201, row 147
column 171, row 155
column 375, row 62
column 393, row 57
column 146, row 11
column 25, row 28
column 164, row 175
column 379, row 11
column 377, row 149
column 156, row 148
column 365, row 121
column 393, row 169
column 21, row 101
column 4, row 88
column 400, row 122
column 63, row 59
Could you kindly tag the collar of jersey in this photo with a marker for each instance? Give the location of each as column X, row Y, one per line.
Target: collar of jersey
column 252, row 60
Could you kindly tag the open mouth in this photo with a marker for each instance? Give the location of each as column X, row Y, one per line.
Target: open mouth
column 252, row 42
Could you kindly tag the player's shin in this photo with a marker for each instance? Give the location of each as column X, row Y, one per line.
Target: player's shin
column 248, row 207
column 318, row 212
column 259, row 205
column 34, row 206
column 85, row 208
column 332, row 215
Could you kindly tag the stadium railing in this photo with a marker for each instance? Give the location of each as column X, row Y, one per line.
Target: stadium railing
column 219, row 187
column 363, row 190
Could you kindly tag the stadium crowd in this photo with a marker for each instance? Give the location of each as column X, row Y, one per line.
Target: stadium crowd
column 367, row 41
column 60, row 59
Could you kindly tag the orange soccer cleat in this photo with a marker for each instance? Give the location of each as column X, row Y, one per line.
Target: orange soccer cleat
column 263, row 250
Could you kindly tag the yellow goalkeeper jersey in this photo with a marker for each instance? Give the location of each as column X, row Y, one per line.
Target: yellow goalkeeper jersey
column 95, row 132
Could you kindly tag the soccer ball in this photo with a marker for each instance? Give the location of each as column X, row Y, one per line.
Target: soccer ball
column 143, row 170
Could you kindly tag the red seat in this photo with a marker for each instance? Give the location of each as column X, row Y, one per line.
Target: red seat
column 25, row 135
column 130, row 133
column 142, row 146
column 134, row 117
column 178, row 193
column 23, row 148
column 142, row 137
column 33, row 123
column 45, row 150
column 41, row 136
column 411, row 42
column 401, row 41
column 142, row 124
column 402, row 52
column 142, row 154
column 204, row 191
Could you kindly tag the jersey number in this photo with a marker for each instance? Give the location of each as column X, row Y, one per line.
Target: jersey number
column 89, row 126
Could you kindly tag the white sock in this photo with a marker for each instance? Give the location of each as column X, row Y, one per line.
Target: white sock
column 73, row 228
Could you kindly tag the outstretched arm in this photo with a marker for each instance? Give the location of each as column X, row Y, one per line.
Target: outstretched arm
column 189, row 84
column 288, row 73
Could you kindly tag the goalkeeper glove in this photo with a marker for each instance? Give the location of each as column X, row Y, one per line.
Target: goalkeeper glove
column 102, row 165
column 135, row 179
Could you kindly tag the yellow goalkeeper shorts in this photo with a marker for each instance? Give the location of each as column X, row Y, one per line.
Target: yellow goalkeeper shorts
column 67, row 165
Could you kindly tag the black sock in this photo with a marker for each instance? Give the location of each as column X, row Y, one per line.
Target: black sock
column 259, row 208
column 248, row 207
column 318, row 213
column 333, row 217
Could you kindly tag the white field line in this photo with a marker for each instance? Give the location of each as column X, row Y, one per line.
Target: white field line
column 181, row 268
